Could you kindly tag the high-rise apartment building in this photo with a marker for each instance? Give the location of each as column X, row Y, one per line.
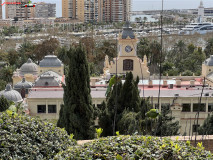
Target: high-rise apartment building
column 15, row 10
column 116, row 10
column 69, row 8
column 43, row 10
column 97, row 10
column 1, row 10
column 87, row 10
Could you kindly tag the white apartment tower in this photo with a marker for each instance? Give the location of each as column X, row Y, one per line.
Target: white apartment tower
column 200, row 12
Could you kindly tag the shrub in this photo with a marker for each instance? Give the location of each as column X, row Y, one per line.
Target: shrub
column 23, row 137
column 135, row 147
column 4, row 104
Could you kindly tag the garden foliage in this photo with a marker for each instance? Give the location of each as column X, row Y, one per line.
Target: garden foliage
column 23, row 137
column 135, row 147
column 207, row 127
column 131, row 112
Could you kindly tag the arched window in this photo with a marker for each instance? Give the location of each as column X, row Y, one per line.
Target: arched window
column 128, row 65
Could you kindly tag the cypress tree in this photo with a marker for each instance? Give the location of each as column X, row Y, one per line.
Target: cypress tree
column 128, row 102
column 130, row 94
column 76, row 116
column 105, row 120
column 4, row 104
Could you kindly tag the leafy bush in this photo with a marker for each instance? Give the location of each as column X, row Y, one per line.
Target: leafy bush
column 4, row 104
column 23, row 137
column 135, row 147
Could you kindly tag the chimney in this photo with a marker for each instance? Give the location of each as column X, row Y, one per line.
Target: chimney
column 93, row 81
column 178, row 83
column 150, row 84
column 164, row 84
column 192, row 83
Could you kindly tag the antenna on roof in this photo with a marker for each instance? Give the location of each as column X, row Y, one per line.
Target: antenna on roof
column 161, row 52
column 116, row 90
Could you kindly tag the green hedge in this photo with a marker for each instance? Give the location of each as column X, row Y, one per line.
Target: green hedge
column 135, row 148
column 23, row 137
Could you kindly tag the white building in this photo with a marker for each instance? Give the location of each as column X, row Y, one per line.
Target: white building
column 200, row 12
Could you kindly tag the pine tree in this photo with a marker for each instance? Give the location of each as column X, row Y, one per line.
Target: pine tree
column 207, row 127
column 77, row 114
column 145, row 123
column 165, row 125
column 128, row 123
column 4, row 104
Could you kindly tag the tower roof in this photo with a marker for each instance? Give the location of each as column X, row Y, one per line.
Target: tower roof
column 127, row 31
column 201, row 4
column 48, row 79
column 209, row 61
column 29, row 68
column 50, row 61
column 11, row 94
column 23, row 84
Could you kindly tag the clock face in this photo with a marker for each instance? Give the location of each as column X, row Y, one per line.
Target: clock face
column 128, row 49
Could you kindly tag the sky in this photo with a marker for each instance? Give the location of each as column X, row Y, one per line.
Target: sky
column 140, row 5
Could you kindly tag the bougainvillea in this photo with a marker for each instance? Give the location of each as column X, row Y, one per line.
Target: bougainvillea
column 24, row 137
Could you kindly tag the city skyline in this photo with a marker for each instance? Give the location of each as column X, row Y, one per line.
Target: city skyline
column 140, row 5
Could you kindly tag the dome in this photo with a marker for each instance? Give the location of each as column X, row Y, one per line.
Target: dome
column 29, row 68
column 23, row 84
column 209, row 61
column 50, row 61
column 11, row 94
column 127, row 31
column 48, row 79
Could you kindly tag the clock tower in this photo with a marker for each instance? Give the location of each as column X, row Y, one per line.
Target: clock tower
column 127, row 60
column 127, row 42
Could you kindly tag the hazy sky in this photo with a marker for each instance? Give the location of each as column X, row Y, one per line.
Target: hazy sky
column 146, row 4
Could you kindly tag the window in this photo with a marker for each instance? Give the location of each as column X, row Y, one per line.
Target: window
column 210, row 107
column 51, row 108
column 196, row 107
column 195, row 127
column 186, row 107
column 41, row 108
column 128, row 65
